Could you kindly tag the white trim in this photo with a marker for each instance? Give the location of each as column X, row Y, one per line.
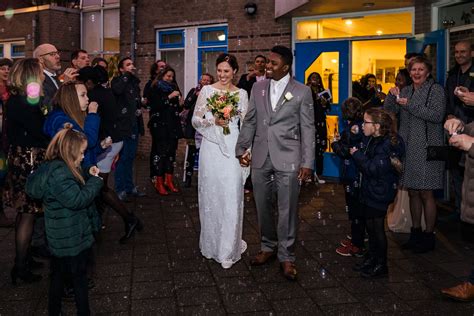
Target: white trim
column 461, row 28
column 435, row 11
column 172, row 26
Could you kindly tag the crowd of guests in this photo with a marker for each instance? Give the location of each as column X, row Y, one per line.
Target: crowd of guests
column 71, row 130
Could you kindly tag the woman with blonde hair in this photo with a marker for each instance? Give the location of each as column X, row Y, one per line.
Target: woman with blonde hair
column 27, row 147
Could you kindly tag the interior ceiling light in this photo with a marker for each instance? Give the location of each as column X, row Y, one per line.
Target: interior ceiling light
column 334, row 61
column 368, row 4
column 379, row 32
column 348, row 22
column 221, row 37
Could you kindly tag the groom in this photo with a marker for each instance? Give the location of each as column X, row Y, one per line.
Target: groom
column 279, row 128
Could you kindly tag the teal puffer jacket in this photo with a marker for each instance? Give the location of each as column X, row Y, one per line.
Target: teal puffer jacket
column 69, row 209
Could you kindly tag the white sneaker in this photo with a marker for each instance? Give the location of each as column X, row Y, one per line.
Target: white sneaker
column 243, row 246
column 227, row 264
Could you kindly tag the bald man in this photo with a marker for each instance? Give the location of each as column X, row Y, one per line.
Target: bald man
column 461, row 75
column 50, row 59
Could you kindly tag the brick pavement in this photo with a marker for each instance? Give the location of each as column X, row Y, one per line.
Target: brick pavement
column 161, row 270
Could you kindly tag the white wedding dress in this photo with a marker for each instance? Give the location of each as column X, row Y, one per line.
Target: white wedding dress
column 220, row 183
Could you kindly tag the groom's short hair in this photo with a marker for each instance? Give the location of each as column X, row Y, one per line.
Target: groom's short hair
column 285, row 53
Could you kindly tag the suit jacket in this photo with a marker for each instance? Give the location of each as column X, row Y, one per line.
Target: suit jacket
column 286, row 135
column 49, row 90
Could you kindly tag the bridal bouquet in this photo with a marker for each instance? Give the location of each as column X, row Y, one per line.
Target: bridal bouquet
column 224, row 106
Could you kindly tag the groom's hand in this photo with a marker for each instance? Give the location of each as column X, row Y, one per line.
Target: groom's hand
column 304, row 174
column 245, row 159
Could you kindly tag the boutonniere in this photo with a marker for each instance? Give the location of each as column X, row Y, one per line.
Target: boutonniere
column 288, row 96
column 471, row 74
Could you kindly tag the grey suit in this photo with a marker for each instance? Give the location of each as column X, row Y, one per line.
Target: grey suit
column 282, row 142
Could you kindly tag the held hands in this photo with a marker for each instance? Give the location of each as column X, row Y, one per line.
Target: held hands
column 453, row 126
column 245, row 159
column 304, row 174
column 352, row 150
column 467, row 98
column 459, row 91
column 93, row 106
column 463, row 141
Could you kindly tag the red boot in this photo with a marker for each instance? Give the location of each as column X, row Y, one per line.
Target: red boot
column 169, row 182
column 159, row 186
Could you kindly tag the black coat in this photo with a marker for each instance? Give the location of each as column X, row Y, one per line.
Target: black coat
column 379, row 179
column 25, row 123
column 246, row 84
column 455, row 106
column 164, row 123
column 108, row 111
column 126, row 89
column 189, row 104
column 49, row 90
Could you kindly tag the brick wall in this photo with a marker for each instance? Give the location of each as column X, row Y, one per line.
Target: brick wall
column 248, row 36
column 57, row 26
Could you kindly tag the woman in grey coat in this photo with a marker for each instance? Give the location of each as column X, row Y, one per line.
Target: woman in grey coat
column 421, row 108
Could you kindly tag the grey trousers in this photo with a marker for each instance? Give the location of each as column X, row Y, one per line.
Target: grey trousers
column 268, row 182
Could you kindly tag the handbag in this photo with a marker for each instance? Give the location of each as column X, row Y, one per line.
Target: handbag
column 440, row 153
column 398, row 214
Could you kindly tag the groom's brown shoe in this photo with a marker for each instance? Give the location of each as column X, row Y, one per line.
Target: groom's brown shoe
column 289, row 270
column 262, row 257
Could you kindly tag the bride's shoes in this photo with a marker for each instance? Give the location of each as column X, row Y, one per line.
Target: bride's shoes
column 243, row 246
column 227, row 264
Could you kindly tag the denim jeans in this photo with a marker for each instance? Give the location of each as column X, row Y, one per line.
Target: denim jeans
column 69, row 269
column 124, row 166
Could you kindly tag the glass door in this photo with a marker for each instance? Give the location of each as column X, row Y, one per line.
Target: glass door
column 331, row 61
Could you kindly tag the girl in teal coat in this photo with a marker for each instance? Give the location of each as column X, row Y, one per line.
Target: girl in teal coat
column 70, row 216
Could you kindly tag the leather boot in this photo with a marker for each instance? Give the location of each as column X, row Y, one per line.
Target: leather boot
column 415, row 237
column 159, row 186
column 169, row 182
column 427, row 243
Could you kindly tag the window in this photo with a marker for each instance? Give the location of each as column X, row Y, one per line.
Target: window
column 17, row 50
column 191, row 51
column 357, row 26
column 12, row 50
column 101, row 27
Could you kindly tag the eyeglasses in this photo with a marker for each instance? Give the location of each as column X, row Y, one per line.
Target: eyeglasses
column 52, row 54
column 367, row 122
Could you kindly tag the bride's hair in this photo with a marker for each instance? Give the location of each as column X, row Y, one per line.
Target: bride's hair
column 230, row 59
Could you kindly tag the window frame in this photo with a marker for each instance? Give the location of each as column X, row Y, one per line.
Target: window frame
column 202, row 30
column 17, row 55
column 201, row 50
column 2, row 53
column 164, row 46
column 100, row 10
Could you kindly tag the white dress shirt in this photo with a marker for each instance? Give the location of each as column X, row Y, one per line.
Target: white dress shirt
column 277, row 88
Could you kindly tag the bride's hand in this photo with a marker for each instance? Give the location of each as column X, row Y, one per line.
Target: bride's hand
column 221, row 122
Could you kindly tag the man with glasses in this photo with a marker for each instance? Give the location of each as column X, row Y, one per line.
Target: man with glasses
column 50, row 59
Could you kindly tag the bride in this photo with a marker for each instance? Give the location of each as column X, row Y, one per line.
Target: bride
column 221, row 178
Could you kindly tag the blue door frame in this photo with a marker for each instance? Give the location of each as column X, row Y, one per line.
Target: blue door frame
column 305, row 55
column 418, row 44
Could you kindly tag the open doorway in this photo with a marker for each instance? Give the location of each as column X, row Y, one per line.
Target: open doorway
column 376, row 59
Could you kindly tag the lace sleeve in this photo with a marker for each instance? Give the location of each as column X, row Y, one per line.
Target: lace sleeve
column 244, row 104
column 204, row 122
